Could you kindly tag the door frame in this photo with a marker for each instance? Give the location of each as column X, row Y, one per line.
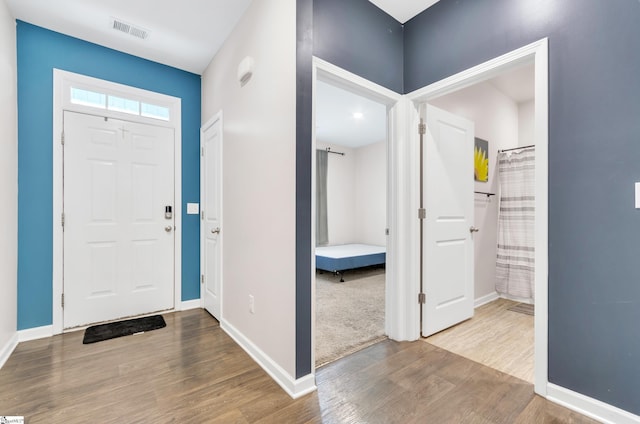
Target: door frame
column 215, row 118
column 395, row 313
column 536, row 53
column 62, row 81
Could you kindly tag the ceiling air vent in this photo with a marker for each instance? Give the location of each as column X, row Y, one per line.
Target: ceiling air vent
column 127, row 28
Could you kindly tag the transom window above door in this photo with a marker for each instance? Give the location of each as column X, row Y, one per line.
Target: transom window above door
column 99, row 100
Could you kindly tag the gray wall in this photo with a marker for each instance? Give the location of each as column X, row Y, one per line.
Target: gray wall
column 359, row 37
column 594, row 160
column 304, row 119
column 594, row 149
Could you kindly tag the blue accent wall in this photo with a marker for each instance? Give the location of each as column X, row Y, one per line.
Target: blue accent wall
column 594, row 161
column 358, row 36
column 39, row 51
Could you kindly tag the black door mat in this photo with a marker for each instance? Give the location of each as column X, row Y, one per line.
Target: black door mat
column 98, row 333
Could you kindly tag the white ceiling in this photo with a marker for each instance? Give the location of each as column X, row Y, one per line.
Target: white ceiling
column 518, row 84
column 403, row 10
column 335, row 123
column 185, row 34
column 335, row 107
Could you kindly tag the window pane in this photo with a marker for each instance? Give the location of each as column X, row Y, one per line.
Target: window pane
column 87, row 98
column 154, row 111
column 124, row 105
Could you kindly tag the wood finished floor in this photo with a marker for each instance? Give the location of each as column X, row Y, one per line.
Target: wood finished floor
column 192, row 372
column 495, row 337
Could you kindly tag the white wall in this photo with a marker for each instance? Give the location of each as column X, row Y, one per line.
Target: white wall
column 356, row 194
column 496, row 120
column 371, row 194
column 259, row 178
column 526, row 123
column 8, row 183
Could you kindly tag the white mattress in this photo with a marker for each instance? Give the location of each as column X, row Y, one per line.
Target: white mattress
column 349, row 250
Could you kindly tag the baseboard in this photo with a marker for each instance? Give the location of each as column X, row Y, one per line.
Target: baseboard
column 590, row 407
column 190, row 304
column 485, row 299
column 35, row 333
column 8, row 348
column 294, row 387
column 516, row 298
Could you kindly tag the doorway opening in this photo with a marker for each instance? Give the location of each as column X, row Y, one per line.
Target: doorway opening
column 528, row 58
column 501, row 332
column 353, row 138
column 351, row 206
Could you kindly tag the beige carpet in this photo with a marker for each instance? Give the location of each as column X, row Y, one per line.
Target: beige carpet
column 349, row 315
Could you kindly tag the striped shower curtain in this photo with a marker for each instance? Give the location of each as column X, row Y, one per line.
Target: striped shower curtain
column 515, row 264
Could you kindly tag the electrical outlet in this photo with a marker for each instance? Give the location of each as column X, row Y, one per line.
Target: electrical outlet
column 251, row 304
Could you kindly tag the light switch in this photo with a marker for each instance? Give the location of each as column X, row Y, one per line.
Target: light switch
column 637, row 195
column 194, row 208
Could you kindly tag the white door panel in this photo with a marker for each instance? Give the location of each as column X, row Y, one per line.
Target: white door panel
column 210, row 198
column 118, row 246
column 447, row 243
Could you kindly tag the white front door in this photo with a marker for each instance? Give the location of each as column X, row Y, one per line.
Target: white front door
column 447, row 243
column 210, row 198
column 118, row 241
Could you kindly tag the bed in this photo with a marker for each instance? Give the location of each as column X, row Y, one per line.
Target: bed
column 339, row 258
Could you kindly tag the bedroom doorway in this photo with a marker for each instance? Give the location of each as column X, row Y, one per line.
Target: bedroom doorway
column 351, row 221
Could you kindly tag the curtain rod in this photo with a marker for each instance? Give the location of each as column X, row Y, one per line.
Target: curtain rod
column 518, row 148
column 331, row 151
column 484, row 192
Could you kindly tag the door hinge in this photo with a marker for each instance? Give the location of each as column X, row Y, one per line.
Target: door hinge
column 62, row 138
column 62, row 300
column 202, row 151
column 422, row 298
column 422, row 127
column 386, row 231
column 422, row 213
column 62, row 220
column 201, row 278
column 202, row 215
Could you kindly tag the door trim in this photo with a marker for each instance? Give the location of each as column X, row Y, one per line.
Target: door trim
column 62, row 80
column 395, row 297
column 215, row 118
column 536, row 53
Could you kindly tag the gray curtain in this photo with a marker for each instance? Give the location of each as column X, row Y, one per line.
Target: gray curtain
column 515, row 265
column 322, row 229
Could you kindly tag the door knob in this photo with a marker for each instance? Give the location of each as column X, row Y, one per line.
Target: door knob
column 215, row 230
column 474, row 229
column 168, row 228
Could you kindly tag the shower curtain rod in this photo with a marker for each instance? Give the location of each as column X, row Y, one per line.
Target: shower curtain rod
column 518, row 148
column 484, row 193
column 331, row 151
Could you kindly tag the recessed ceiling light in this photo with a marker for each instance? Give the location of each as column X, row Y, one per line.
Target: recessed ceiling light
column 358, row 115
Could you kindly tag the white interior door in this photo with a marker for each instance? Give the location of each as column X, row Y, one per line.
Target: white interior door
column 447, row 243
column 118, row 243
column 210, row 198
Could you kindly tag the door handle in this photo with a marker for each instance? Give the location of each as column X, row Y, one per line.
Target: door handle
column 473, row 229
column 215, row 230
column 168, row 228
